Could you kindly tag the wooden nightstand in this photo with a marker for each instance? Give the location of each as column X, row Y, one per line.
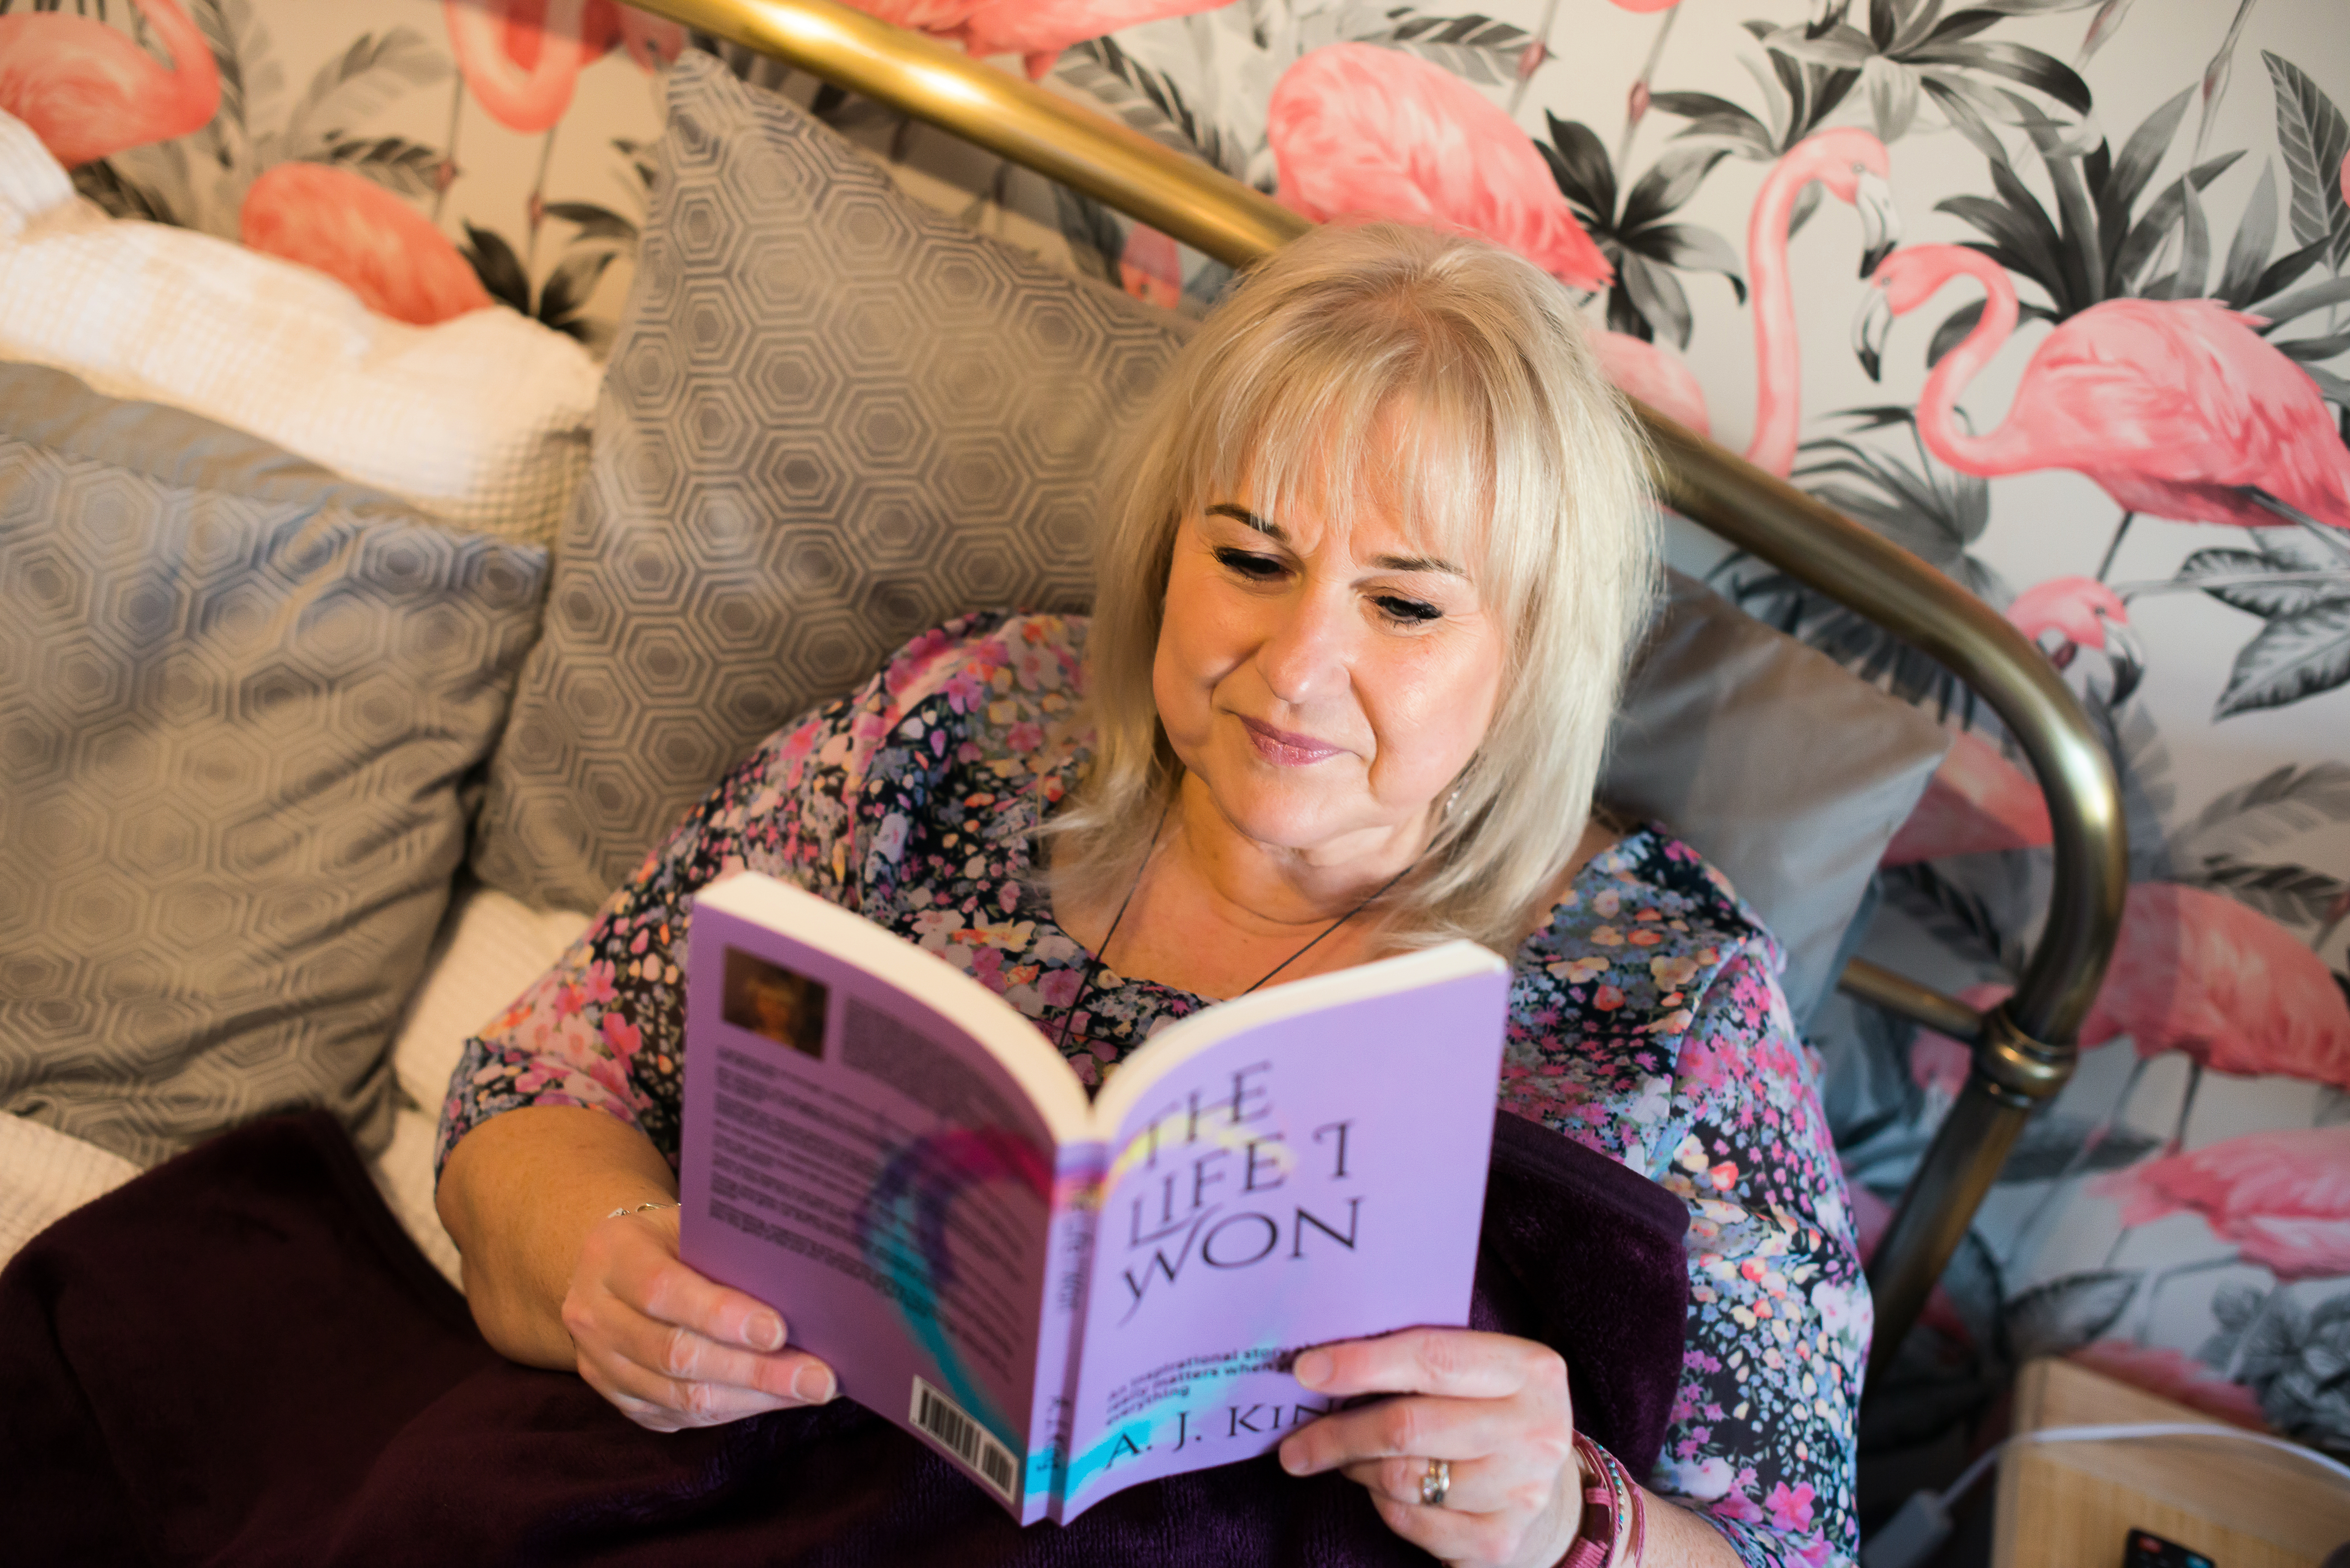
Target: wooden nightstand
column 2069, row 1505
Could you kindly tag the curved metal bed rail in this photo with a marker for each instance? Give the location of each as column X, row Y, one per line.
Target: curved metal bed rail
column 2024, row 1050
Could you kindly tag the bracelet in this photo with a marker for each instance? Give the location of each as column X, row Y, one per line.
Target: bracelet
column 639, row 1209
column 1614, row 1528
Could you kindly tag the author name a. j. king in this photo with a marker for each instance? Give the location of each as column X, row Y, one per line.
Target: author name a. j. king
column 1192, row 1428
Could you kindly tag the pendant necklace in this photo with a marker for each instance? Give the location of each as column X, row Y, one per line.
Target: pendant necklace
column 1095, row 963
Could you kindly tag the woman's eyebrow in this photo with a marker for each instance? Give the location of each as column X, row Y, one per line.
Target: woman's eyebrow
column 1272, row 530
column 1248, row 519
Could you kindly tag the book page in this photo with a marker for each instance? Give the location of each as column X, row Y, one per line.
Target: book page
column 854, row 1157
column 1316, row 1174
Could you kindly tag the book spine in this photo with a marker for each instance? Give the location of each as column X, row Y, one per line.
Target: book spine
column 1077, row 1206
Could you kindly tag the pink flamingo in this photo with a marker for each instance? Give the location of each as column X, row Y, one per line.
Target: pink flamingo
column 2175, row 1375
column 2172, row 406
column 1035, row 30
column 520, row 59
column 1977, row 801
column 1937, row 1063
column 2196, row 971
column 1853, row 167
column 2066, row 615
column 1658, row 378
column 362, row 235
column 88, row 91
column 1357, row 129
column 1371, row 133
column 651, row 41
column 1976, row 804
column 1150, row 269
column 2282, row 1197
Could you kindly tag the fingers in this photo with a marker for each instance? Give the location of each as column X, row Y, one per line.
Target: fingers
column 646, row 1275
column 1418, row 1428
column 1496, row 1511
column 669, row 1404
column 1495, row 1408
column 671, row 1347
column 1456, row 1361
column 1479, row 1486
column 679, row 1354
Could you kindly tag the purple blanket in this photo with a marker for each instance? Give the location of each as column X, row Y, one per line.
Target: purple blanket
column 240, row 1358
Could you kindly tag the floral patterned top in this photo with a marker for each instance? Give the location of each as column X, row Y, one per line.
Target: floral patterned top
column 1645, row 1021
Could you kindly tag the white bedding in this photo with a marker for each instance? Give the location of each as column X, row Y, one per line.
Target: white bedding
column 490, row 948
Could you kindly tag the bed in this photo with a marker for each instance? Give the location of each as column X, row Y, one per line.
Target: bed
column 490, row 938
column 2023, row 1050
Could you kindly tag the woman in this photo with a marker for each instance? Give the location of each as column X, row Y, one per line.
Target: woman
column 1359, row 630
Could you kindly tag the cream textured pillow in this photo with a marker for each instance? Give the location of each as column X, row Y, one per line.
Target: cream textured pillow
column 482, row 420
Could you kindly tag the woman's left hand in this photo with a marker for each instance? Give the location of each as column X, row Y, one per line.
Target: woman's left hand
column 1495, row 1406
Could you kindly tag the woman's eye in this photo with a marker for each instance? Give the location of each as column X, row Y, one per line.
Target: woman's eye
column 1248, row 563
column 1410, row 610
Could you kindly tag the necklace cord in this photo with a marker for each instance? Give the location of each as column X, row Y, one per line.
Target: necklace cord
column 1100, row 957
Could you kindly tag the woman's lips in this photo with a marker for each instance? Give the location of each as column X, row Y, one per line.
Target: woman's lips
column 1285, row 748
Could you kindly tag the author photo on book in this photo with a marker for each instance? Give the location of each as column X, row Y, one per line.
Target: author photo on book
column 1362, row 617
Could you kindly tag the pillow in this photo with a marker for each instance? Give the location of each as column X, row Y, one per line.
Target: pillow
column 46, row 1175
column 240, row 702
column 481, row 420
column 1787, row 772
column 808, row 362
column 833, row 417
column 490, row 950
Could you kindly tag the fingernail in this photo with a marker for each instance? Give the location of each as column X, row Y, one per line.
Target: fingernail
column 1313, row 1368
column 1293, row 1459
column 813, row 1385
column 764, row 1330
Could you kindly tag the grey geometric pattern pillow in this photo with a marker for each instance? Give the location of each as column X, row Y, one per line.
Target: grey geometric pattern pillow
column 832, row 417
column 1784, row 769
column 240, row 702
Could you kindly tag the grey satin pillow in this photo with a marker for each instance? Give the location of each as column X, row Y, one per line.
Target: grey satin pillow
column 833, row 417
column 240, row 702
column 1787, row 772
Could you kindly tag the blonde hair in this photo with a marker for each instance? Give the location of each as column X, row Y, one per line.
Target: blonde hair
column 1513, row 453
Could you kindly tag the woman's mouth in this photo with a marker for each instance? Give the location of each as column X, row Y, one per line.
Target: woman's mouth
column 1286, row 748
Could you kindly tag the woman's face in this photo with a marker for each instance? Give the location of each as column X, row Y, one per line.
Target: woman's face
column 1326, row 682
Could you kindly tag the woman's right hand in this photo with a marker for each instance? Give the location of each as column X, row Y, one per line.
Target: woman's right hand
column 671, row 1347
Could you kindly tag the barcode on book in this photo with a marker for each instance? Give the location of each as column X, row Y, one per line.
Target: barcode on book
column 969, row 1442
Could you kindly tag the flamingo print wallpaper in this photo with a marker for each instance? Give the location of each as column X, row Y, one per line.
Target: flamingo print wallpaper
column 2054, row 293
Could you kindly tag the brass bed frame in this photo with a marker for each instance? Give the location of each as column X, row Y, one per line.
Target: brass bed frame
column 2024, row 1050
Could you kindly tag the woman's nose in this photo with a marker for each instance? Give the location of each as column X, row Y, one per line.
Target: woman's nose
column 1305, row 654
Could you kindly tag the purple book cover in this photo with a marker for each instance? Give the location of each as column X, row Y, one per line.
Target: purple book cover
column 1070, row 1299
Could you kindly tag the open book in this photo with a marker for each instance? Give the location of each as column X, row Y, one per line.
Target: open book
column 1069, row 1298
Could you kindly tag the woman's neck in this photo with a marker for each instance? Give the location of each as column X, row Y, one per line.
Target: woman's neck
column 1256, row 885
column 1212, row 911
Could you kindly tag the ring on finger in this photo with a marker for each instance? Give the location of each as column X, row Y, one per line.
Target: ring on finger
column 1435, row 1482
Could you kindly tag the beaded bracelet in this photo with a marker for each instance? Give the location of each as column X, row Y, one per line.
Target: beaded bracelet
column 1615, row 1524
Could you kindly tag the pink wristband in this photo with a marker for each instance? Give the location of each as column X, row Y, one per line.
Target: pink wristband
column 1614, row 1525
